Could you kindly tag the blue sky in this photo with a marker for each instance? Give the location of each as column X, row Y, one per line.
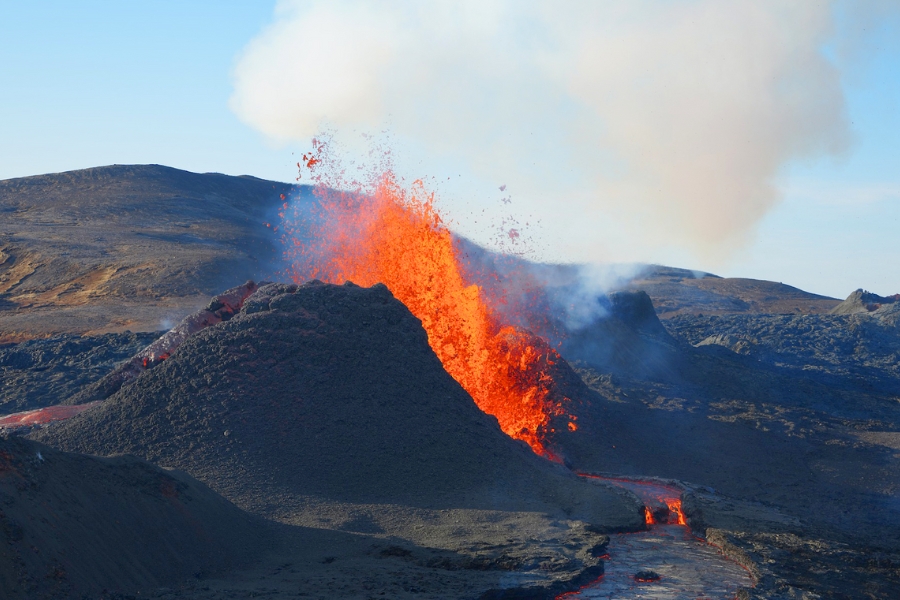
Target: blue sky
column 91, row 83
column 94, row 83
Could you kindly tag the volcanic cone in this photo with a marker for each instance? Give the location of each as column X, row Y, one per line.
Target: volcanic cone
column 329, row 392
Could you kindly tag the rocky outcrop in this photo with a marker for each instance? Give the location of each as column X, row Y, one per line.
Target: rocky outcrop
column 629, row 340
column 40, row 373
column 862, row 301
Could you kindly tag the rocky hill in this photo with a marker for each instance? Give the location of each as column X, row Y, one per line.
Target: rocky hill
column 333, row 392
column 127, row 246
column 680, row 291
column 861, row 301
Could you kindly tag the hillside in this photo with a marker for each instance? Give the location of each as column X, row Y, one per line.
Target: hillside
column 74, row 525
column 137, row 247
column 121, row 248
column 679, row 291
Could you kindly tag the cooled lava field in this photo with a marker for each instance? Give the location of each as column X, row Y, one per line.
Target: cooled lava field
column 184, row 414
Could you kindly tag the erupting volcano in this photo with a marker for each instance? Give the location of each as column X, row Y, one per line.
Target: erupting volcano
column 381, row 232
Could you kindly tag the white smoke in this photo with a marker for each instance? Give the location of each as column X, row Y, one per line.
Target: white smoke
column 639, row 123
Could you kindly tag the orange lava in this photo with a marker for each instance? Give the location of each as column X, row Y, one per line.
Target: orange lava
column 577, row 593
column 675, row 512
column 651, row 492
column 394, row 235
column 41, row 416
column 675, row 516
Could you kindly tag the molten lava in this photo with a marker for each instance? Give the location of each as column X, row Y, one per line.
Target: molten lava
column 654, row 495
column 676, row 515
column 42, row 416
column 395, row 236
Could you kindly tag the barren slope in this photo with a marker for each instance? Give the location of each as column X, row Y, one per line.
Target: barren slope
column 73, row 524
column 679, row 291
column 126, row 247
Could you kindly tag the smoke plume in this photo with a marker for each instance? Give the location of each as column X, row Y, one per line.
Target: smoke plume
column 634, row 124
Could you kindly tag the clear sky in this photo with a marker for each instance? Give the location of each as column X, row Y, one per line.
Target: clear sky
column 93, row 83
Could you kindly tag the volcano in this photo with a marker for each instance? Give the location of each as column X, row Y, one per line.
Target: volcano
column 322, row 406
column 324, row 391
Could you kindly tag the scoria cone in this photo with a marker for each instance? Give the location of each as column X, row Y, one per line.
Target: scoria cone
column 330, row 392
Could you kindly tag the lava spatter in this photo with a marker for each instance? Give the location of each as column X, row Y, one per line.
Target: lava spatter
column 383, row 232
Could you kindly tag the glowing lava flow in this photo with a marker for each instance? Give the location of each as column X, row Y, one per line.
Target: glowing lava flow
column 395, row 236
column 665, row 561
column 42, row 416
column 662, row 502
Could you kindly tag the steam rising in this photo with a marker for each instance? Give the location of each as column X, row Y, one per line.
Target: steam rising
column 638, row 125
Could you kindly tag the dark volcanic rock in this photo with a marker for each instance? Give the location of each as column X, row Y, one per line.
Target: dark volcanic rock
column 858, row 350
column 795, row 411
column 329, row 392
column 73, row 525
column 635, row 309
column 629, row 340
column 221, row 308
column 646, row 576
column 40, row 373
column 795, row 414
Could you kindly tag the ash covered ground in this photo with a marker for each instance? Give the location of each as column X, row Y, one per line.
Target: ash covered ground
column 313, row 425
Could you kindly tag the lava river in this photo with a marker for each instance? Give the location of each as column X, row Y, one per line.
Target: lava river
column 666, row 561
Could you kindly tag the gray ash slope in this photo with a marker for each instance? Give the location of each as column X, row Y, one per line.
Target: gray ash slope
column 74, row 526
column 329, row 392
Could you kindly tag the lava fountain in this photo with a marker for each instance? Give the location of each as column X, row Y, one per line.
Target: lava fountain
column 383, row 232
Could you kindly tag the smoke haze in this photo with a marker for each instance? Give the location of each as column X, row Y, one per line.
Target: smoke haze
column 642, row 125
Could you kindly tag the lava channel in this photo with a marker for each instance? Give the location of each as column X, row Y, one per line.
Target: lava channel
column 666, row 561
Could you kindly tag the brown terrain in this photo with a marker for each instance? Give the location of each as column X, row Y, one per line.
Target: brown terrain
column 682, row 292
column 321, row 413
column 126, row 247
